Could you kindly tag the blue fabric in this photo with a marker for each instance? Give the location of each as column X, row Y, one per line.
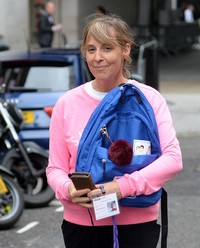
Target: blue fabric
column 127, row 115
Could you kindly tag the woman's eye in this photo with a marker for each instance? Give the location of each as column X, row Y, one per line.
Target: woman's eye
column 107, row 48
column 90, row 49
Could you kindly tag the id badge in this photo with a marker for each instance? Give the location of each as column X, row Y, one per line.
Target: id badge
column 106, row 206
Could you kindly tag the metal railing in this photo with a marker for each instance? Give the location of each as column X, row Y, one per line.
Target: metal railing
column 148, row 64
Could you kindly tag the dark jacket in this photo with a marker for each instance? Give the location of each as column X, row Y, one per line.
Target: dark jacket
column 45, row 33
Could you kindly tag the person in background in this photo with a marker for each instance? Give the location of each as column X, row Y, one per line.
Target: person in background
column 106, row 47
column 46, row 26
column 100, row 10
column 189, row 14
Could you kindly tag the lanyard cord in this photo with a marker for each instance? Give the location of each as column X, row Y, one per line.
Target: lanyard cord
column 115, row 233
column 115, row 230
column 90, row 217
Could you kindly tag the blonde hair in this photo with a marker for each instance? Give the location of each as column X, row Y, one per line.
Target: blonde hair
column 100, row 27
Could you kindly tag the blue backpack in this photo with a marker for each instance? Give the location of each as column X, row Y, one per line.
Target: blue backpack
column 125, row 116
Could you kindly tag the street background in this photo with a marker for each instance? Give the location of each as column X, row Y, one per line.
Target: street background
column 180, row 84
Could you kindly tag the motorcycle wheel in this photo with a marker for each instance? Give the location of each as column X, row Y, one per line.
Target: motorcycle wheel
column 11, row 203
column 37, row 193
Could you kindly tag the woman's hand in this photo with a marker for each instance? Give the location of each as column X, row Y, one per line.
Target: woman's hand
column 80, row 196
column 109, row 188
column 83, row 197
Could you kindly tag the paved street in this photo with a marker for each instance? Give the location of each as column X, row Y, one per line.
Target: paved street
column 184, row 198
column 180, row 73
column 180, row 85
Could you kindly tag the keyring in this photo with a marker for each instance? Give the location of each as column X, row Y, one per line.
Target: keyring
column 102, row 189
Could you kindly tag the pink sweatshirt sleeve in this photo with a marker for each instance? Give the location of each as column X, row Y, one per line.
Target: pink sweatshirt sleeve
column 59, row 157
column 157, row 174
column 65, row 133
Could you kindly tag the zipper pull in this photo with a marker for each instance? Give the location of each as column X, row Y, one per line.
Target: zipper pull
column 104, row 131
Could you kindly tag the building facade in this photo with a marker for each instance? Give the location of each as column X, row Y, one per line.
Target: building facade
column 19, row 24
column 18, row 18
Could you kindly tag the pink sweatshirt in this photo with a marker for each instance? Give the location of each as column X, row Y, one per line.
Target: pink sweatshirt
column 70, row 116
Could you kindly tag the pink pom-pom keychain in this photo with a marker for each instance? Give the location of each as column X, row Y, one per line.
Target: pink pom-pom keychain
column 120, row 151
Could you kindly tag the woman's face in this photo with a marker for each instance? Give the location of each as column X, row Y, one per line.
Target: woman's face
column 105, row 61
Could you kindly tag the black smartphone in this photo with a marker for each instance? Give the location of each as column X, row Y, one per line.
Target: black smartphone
column 82, row 180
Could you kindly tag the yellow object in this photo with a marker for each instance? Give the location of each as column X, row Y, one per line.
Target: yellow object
column 3, row 188
column 28, row 117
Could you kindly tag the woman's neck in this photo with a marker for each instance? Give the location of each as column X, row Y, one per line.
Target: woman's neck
column 105, row 86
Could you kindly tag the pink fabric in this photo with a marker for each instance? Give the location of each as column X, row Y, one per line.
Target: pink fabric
column 69, row 118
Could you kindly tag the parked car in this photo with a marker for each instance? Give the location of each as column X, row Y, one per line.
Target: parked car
column 34, row 80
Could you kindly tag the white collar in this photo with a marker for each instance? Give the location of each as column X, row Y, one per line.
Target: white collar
column 94, row 93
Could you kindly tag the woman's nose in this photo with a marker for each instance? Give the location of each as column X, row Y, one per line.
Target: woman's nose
column 98, row 55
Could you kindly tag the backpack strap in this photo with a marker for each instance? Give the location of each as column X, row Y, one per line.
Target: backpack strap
column 164, row 223
column 164, row 219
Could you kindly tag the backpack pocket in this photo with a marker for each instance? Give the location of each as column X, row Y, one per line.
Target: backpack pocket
column 104, row 170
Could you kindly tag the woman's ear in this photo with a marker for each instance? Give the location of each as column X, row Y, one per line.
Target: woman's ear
column 127, row 50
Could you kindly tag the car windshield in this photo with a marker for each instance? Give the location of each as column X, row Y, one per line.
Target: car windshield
column 53, row 78
column 37, row 78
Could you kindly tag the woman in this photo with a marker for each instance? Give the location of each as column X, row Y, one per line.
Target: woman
column 106, row 47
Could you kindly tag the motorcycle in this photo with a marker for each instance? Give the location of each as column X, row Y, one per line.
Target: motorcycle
column 11, row 199
column 26, row 160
